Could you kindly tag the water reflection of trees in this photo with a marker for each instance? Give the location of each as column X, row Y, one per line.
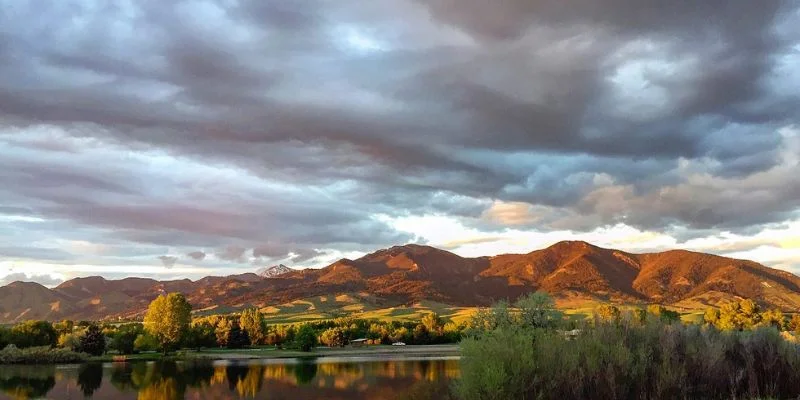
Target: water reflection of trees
column 27, row 382
column 246, row 380
column 305, row 371
column 90, row 378
column 161, row 380
column 176, row 380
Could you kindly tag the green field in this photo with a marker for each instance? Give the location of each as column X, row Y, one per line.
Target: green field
column 362, row 305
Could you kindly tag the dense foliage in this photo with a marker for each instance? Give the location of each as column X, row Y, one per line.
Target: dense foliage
column 92, row 342
column 622, row 355
column 39, row 355
column 167, row 320
column 237, row 337
column 306, row 337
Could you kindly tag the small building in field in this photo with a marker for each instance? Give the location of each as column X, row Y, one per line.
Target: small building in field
column 358, row 342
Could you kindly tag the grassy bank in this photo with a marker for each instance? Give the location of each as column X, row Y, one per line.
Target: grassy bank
column 274, row 353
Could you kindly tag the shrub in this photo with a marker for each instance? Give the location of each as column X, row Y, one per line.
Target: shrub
column 623, row 359
column 70, row 341
column 39, row 355
column 145, row 342
column 33, row 333
column 124, row 339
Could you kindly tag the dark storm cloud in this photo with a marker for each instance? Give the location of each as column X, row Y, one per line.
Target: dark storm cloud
column 225, row 127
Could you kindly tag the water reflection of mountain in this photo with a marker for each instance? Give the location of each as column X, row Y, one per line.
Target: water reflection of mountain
column 309, row 379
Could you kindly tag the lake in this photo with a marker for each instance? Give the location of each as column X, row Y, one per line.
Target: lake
column 321, row 378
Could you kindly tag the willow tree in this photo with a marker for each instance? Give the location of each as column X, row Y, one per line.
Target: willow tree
column 167, row 319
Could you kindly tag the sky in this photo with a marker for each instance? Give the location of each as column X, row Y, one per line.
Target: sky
column 175, row 139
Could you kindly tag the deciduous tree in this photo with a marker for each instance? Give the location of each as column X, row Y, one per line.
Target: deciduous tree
column 167, row 319
column 252, row 321
column 306, row 338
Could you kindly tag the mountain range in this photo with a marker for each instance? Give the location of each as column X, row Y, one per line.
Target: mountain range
column 573, row 272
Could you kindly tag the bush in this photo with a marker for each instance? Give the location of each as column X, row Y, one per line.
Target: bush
column 33, row 333
column 145, row 342
column 124, row 339
column 39, row 355
column 69, row 341
column 626, row 359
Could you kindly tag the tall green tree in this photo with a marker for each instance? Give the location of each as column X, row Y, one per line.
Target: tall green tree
column 306, row 337
column 167, row 319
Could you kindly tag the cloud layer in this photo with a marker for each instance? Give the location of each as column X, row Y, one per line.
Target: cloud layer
column 252, row 132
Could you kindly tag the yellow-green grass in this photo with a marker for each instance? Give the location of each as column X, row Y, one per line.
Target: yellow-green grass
column 366, row 306
column 361, row 306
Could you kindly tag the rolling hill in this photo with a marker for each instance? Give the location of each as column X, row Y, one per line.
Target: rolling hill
column 573, row 272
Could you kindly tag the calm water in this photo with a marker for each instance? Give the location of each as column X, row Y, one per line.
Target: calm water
column 325, row 378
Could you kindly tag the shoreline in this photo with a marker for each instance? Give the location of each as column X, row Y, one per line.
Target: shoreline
column 268, row 353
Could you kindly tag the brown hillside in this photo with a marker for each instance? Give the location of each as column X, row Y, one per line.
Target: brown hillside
column 570, row 271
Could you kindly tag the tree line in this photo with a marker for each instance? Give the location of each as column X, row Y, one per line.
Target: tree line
column 168, row 325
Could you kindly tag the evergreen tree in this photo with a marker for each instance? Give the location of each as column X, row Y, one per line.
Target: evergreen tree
column 237, row 337
column 93, row 341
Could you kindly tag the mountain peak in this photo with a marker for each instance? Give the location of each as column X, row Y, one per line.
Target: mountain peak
column 25, row 285
column 273, row 271
column 89, row 280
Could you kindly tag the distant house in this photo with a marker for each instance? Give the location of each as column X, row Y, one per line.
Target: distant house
column 358, row 342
